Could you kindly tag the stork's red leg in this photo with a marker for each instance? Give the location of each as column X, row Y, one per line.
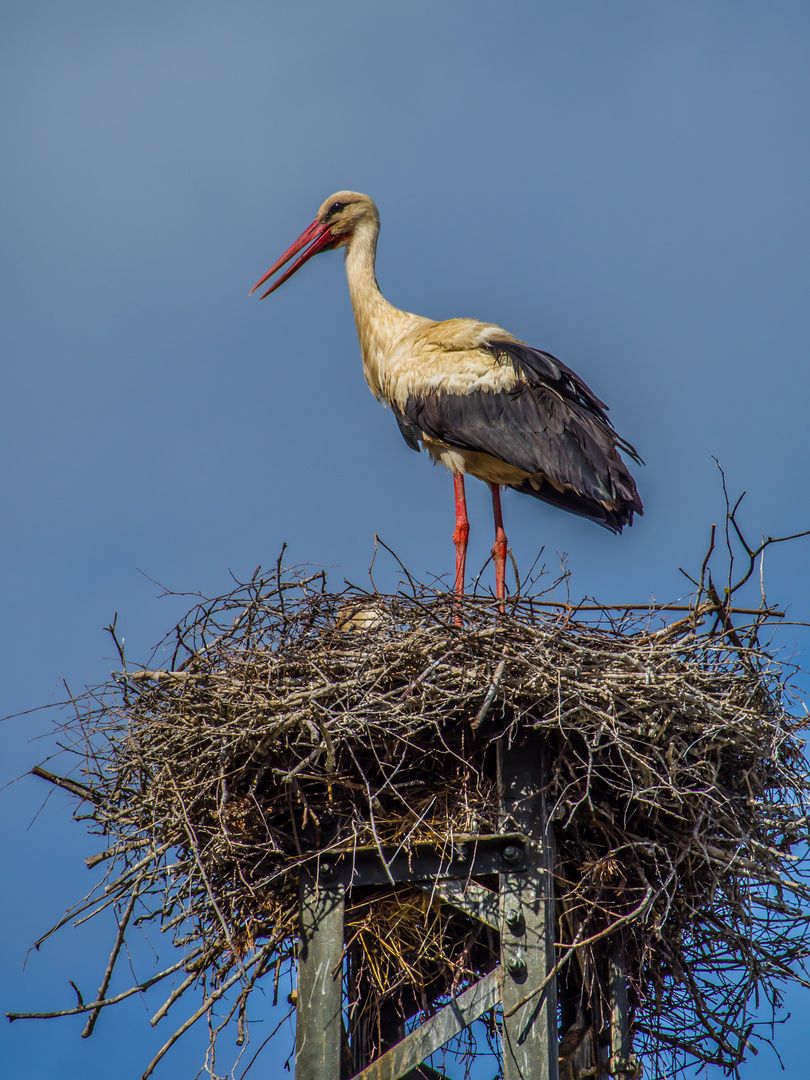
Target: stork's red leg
column 499, row 547
column 461, row 533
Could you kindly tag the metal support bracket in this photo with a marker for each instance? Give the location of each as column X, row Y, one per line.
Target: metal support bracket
column 522, row 855
column 431, row 1035
column 468, row 856
column 473, row 899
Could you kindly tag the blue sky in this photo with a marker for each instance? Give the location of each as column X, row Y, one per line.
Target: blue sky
column 623, row 184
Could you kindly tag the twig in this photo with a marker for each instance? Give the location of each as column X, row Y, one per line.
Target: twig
column 486, row 705
column 119, row 941
column 93, row 1005
column 73, row 786
column 211, row 999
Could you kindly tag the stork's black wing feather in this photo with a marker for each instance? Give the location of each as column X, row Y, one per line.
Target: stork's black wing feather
column 535, row 364
column 551, row 426
column 410, row 432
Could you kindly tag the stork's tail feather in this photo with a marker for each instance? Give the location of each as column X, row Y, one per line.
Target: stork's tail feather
column 610, row 518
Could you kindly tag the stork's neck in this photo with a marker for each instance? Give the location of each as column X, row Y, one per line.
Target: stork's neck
column 379, row 324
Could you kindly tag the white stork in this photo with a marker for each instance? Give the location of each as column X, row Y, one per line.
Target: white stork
column 478, row 399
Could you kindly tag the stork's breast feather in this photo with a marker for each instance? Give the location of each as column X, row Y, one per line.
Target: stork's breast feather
column 449, row 358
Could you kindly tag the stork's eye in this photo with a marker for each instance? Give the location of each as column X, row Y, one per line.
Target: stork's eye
column 335, row 208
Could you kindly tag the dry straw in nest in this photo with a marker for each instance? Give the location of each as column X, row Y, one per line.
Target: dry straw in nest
column 293, row 721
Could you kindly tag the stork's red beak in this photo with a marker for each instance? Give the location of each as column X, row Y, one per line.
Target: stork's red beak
column 319, row 238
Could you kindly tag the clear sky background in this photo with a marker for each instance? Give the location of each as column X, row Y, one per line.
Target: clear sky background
column 624, row 184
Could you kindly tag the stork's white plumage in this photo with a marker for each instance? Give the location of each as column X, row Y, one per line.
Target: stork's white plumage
column 478, row 399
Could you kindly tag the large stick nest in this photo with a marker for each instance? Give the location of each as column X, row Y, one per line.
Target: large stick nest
column 292, row 721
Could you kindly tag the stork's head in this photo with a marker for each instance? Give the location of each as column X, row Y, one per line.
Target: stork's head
column 338, row 219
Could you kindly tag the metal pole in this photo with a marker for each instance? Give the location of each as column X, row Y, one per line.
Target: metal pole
column 622, row 1065
column 527, row 915
column 319, row 1011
